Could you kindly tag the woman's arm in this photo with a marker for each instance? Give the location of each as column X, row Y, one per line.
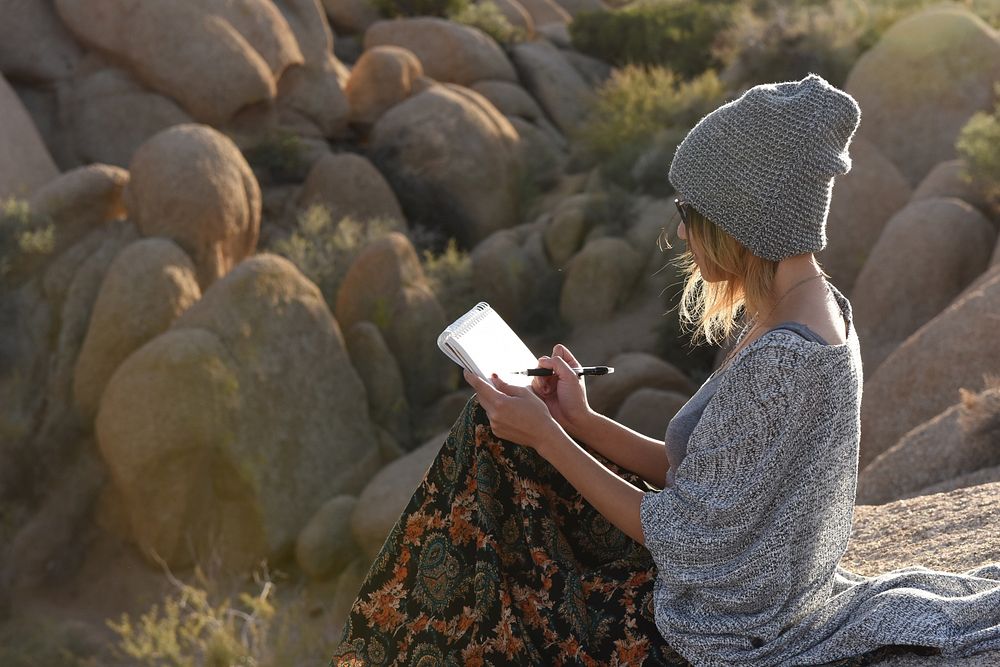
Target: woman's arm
column 633, row 451
column 565, row 395
column 612, row 496
column 517, row 414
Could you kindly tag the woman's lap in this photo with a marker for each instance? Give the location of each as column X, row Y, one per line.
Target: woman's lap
column 497, row 559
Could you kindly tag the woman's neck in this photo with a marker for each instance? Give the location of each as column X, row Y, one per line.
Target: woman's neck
column 798, row 274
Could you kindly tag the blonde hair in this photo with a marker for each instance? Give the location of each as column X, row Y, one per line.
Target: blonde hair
column 711, row 309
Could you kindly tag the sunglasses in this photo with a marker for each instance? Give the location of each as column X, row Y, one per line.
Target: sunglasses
column 682, row 208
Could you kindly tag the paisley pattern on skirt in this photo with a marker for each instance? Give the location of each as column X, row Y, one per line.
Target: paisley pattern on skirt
column 498, row 560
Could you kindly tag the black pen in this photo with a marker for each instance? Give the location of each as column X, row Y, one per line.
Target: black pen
column 586, row 370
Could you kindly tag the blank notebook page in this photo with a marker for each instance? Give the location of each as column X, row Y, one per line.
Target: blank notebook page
column 492, row 347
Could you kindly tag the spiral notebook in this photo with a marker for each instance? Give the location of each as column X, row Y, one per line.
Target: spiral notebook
column 483, row 343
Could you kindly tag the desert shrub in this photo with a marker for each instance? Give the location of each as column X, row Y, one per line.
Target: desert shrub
column 198, row 624
column 279, row 157
column 449, row 274
column 978, row 145
column 788, row 41
column 637, row 104
column 781, row 40
column 487, row 17
column 26, row 239
column 324, row 249
column 397, row 8
column 670, row 33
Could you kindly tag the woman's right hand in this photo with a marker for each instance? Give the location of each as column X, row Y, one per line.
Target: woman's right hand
column 564, row 392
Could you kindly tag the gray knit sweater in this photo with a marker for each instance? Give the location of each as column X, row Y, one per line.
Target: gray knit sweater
column 747, row 541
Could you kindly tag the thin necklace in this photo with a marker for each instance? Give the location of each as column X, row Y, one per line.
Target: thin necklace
column 757, row 321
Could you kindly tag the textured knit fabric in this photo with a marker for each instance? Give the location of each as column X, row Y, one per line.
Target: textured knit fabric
column 748, row 539
column 684, row 421
column 762, row 166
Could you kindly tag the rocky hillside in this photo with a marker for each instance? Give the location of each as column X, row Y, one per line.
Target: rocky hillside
column 232, row 231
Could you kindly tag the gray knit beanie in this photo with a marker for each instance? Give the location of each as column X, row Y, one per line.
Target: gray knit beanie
column 761, row 167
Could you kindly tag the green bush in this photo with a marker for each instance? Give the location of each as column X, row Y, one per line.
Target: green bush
column 487, row 17
column 637, row 104
column 26, row 239
column 787, row 41
column 398, row 8
column 324, row 249
column 672, row 33
column 449, row 274
column 978, row 145
column 279, row 157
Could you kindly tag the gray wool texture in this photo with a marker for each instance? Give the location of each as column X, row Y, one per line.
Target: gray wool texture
column 762, row 166
column 747, row 538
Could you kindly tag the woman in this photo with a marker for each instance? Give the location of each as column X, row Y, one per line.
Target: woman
column 533, row 538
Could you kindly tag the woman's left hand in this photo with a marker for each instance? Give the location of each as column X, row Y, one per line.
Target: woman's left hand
column 516, row 413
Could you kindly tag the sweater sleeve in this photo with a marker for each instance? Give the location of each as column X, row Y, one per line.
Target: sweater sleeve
column 722, row 561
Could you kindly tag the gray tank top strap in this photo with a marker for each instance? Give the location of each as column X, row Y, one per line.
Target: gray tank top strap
column 802, row 330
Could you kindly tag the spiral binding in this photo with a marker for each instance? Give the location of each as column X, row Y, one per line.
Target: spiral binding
column 468, row 321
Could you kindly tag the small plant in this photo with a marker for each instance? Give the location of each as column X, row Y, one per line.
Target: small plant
column 198, row 625
column 787, row 41
column 324, row 250
column 978, row 145
column 278, row 158
column 487, row 17
column 398, row 8
column 449, row 275
column 26, row 239
column 671, row 33
column 635, row 105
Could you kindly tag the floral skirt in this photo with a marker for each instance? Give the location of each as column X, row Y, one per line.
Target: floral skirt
column 498, row 560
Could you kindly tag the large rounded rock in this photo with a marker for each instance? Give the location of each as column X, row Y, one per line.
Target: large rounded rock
column 81, row 199
column 386, row 285
column 386, row 495
column 34, row 44
column 956, row 442
column 634, row 371
column 349, row 185
column 190, row 183
column 981, row 476
column 25, row 163
column 648, row 411
column 946, row 179
column 922, row 377
column 516, row 15
column 505, row 273
column 311, row 96
column 383, row 77
column 110, row 115
column 447, row 50
column 226, row 433
column 214, row 57
column 554, row 82
column 927, row 254
column 863, row 201
column 325, row 546
column 957, row 56
column 382, row 378
column 598, row 280
column 510, row 99
column 452, row 159
column 946, row 531
column 546, row 12
column 350, row 16
column 147, row 286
